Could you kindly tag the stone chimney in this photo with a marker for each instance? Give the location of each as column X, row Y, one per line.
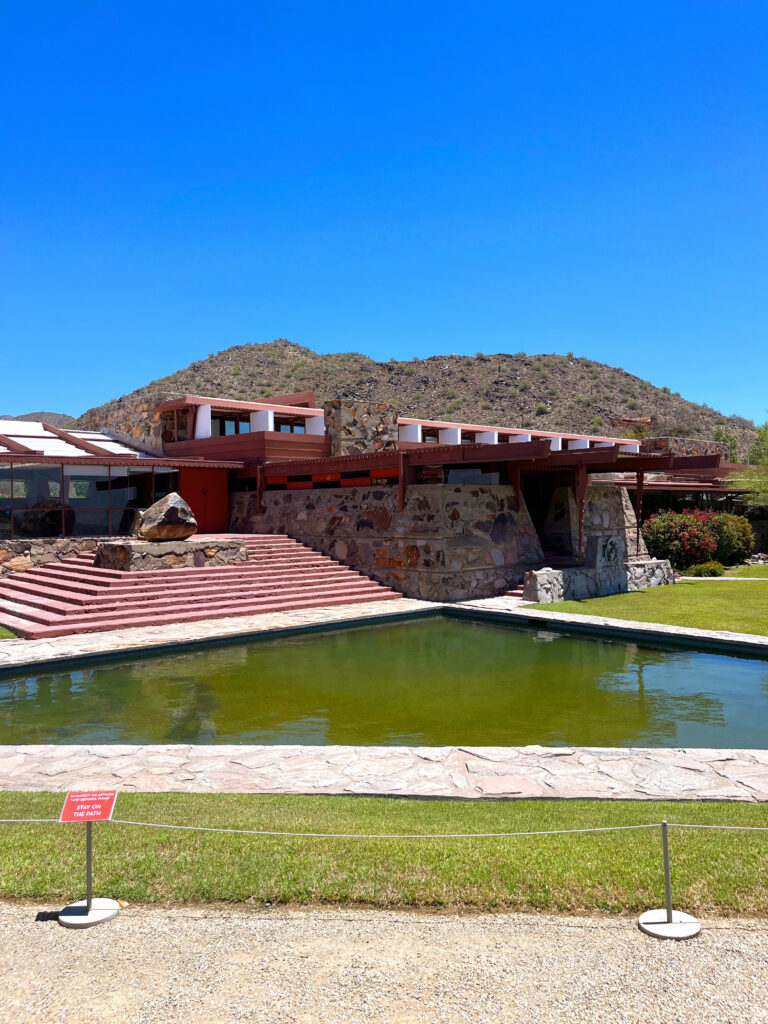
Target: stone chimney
column 358, row 427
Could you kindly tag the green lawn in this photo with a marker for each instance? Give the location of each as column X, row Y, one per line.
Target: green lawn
column 611, row 872
column 741, row 608
column 759, row 571
column 6, row 634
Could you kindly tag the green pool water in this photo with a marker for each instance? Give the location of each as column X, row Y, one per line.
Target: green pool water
column 431, row 682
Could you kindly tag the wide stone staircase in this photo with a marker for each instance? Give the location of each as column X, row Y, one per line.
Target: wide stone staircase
column 71, row 596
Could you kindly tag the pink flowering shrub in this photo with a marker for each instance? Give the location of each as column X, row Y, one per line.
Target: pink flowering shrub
column 692, row 537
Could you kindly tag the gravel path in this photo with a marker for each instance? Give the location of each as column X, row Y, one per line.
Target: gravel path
column 209, row 966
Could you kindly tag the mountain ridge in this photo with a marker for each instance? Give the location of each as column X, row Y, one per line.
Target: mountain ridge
column 546, row 392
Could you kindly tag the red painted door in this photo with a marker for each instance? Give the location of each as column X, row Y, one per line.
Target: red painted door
column 207, row 494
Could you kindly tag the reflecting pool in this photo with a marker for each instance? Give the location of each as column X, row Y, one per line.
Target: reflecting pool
column 426, row 682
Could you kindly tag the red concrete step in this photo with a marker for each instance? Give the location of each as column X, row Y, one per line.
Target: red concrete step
column 64, row 603
column 72, row 596
column 64, row 628
column 218, row 604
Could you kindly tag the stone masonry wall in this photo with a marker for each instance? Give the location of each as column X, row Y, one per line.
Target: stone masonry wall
column 149, row 556
column 20, row 555
column 448, row 543
column 684, row 446
column 547, row 586
column 132, row 420
column 608, row 512
column 357, row 427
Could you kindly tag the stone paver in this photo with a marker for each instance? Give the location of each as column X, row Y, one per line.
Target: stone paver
column 467, row 772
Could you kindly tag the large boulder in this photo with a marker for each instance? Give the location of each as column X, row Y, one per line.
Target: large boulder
column 171, row 518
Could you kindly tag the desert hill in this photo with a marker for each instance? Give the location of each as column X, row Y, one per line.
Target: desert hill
column 56, row 419
column 549, row 392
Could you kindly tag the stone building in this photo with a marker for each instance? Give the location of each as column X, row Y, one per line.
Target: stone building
column 437, row 510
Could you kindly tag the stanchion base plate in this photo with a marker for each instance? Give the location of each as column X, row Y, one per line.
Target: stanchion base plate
column 76, row 914
column 682, row 926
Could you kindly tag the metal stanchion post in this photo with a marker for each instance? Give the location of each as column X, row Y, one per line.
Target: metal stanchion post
column 87, row 808
column 668, row 923
column 88, row 865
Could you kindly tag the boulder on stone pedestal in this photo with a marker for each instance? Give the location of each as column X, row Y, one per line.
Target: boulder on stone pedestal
column 170, row 518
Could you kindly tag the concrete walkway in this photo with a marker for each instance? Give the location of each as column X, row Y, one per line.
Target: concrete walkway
column 224, row 966
column 465, row 772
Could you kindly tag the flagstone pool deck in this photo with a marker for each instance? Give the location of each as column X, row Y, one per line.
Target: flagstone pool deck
column 463, row 772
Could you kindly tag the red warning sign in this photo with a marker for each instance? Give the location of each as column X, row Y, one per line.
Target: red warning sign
column 95, row 806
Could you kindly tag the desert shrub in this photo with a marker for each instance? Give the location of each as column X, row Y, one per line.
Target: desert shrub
column 692, row 537
column 541, row 409
column 705, row 569
column 679, row 536
column 734, row 536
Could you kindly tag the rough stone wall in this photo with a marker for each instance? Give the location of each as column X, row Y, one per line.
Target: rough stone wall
column 20, row 555
column 449, row 543
column 357, row 427
column 548, row 586
column 132, row 420
column 146, row 556
column 684, row 446
column 608, row 512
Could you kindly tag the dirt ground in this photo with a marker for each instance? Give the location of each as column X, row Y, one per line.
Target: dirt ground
column 205, row 966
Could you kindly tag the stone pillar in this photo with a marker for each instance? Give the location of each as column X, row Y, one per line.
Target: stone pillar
column 358, row 427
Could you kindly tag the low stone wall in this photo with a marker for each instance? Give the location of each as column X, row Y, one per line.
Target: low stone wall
column 357, row 427
column 547, row 586
column 20, row 555
column 147, row 556
column 449, row 543
column 684, row 446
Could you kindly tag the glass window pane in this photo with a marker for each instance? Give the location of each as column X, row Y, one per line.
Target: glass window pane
column 131, row 488
column 5, row 522
column 86, row 486
column 122, row 521
column 87, row 522
column 5, row 485
column 166, row 481
column 41, row 521
column 33, row 484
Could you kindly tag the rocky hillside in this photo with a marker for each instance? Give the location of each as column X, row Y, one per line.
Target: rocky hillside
column 56, row 419
column 546, row 391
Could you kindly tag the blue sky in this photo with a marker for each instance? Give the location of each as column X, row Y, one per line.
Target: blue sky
column 394, row 178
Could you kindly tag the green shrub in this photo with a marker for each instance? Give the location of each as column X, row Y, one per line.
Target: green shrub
column 705, row 569
column 734, row 536
column 541, row 409
column 692, row 537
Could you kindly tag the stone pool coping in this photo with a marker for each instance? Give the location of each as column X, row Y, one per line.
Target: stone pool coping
column 500, row 609
column 470, row 773
column 58, row 651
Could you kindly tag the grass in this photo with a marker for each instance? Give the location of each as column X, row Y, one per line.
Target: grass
column 618, row 872
column 701, row 605
column 6, row 634
column 740, row 571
